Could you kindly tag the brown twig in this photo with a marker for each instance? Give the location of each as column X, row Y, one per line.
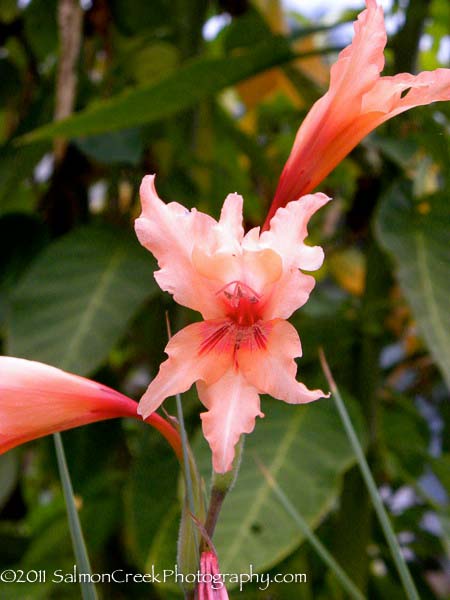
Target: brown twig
column 70, row 18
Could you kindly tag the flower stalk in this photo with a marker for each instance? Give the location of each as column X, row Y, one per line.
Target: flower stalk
column 221, row 484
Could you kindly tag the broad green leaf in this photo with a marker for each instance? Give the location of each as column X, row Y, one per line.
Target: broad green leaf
column 21, row 238
column 8, row 10
column 78, row 297
column 10, row 78
column 441, row 467
column 416, row 234
column 9, row 470
column 405, row 437
column 306, row 452
column 124, row 146
column 132, row 16
column 15, row 165
column 152, row 62
column 148, row 482
column 40, row 24
column 182, row 89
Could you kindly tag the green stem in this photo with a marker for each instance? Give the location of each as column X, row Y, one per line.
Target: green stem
column 221, row 485
column 81, row 556
column 394, row 547
column 188, row 462
column 186, row 466
column 327, row 558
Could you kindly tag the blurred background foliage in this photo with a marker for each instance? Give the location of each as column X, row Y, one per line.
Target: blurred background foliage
column 209, row 96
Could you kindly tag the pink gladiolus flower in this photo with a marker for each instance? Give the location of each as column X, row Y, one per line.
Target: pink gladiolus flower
column 358, row 101
column 245, row 287
column 210, row 586
column 36, row 400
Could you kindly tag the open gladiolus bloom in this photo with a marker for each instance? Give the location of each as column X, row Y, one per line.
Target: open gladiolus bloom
column 36, row 400
column 245, row 287
column 358, row 101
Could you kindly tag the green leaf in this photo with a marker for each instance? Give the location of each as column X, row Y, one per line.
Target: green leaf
column 78, row 297
column 416, row 234
column 406, row 437
column 441, row 468
column 21, row 238
column 315, row 542
column 9, row 470
column 148, row 482
column 40, row 23
column 306, row 451
column 180, row 90
column 8, row 10
column 15, row 165
column 124, row 146
column 10, row 78
column 132, row 16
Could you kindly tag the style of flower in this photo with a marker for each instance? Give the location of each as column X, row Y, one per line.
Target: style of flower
column 245, row 287
column 357, row 101
column 36, row 400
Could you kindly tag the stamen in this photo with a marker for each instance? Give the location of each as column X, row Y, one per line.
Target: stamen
column 235, row 290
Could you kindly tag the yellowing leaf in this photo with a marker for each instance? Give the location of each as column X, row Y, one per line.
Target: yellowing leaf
column 348, row 267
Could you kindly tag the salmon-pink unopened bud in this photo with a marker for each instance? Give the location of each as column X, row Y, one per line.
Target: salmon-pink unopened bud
column 37, row 399
column 210, row 585
column 357, row 101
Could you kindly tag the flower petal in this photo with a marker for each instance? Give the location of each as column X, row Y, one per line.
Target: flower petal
column 230, row 230
column 233, row 404
column 272, row 369
column 210, row 586
column 288, row 294
column 199, row 351
column 359, row 65
column 256, row 269
column 170, row 232
column 388, row 95
column 358, row 100
column 36, row 400
column 288, row 229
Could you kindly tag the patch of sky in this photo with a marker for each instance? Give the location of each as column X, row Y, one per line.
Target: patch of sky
column 214, row 26
column 97, row 197
column 319, row 11
column 444, row 51
column 426, row 42
column 44, row 169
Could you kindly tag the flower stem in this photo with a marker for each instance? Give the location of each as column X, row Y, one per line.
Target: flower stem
column 221, row 485
column 186, row 464
column 403, row 571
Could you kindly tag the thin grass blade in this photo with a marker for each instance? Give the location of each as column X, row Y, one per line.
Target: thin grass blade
column 402, row 568
column 88, row 590
column 303, row 526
